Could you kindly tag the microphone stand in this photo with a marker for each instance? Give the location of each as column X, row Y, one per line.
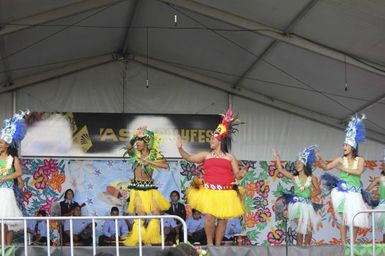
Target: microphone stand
column 286, row 237
column 61, row 238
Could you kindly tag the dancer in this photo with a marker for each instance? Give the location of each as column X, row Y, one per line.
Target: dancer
column 379, row 218
column 13, row 132
column 300, row 210
column 217, row 198
column 346, row 190
column 145, row 157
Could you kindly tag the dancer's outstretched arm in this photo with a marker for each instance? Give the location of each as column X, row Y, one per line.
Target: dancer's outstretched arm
column 279, row 165
column 194, row 158
column 374, row 183
column 328, row 166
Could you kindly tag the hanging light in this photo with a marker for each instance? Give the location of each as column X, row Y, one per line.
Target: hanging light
column 147, row 80
column 175, row 15
column 175, row 19
column 346, row 76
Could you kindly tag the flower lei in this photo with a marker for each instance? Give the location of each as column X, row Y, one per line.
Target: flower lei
column 200, row 250
column 154, row 155
column 8, row 165
column 301, row 186
column 348, row 165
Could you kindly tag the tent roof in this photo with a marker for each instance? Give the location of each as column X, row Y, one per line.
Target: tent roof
column 294, row 55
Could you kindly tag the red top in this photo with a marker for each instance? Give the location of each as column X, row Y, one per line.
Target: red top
column 218, row 171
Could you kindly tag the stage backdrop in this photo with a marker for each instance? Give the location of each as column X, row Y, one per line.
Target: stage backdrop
column 95, row 183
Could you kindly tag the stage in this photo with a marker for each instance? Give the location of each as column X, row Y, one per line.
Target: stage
column 321, row 250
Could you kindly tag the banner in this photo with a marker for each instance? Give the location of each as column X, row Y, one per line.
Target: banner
column 106, row 134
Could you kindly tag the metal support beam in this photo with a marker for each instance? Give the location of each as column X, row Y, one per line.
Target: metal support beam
column 248, row 94
column 255, row 62
column 276, row 34
column 48, row 75
column 366, row 107
column 14, row 102
column 302, row 13
column 55, row 14
column 6, row 67
column 297, row 19
column 125, row 44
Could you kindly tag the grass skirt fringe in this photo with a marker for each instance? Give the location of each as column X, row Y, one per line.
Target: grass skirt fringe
column 147, row 201
column 223, row 204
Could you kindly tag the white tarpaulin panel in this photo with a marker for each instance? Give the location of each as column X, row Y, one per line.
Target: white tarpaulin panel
column 267, row 127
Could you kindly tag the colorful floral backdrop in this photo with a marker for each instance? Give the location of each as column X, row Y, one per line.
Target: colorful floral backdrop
column 92, row 180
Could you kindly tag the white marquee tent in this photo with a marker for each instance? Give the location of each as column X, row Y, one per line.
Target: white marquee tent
column 295, row 70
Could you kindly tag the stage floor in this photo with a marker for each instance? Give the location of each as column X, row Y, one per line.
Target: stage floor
column 322, row 250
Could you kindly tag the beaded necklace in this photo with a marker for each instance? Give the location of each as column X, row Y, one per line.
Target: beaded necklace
column 215, row 155
column 300, row 185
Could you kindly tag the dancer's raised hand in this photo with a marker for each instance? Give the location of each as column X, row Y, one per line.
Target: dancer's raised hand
column 275, row 153
column 179, row 142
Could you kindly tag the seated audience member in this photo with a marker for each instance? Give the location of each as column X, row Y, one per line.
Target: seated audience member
column 68, row 203
column 82, row 229
column 38, row 229
column 177, row 209
column 195, row 228
column 109, row 233
column 233, row 227
column 171, row 231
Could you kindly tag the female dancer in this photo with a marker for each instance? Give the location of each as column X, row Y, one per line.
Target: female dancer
column 216, row 198
column 145, row 157
column 10, row 168
column 346, row 191
column 300, row 210
column 379, row 218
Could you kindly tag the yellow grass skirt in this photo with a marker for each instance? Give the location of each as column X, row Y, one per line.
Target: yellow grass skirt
column 150, row 235
column 147, row 201
column 223, row 204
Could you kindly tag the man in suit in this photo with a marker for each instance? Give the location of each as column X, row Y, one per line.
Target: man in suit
column 68, row 204
column 177, row 209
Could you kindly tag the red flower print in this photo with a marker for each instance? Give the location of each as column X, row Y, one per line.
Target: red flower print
column 263, row 188
column 26, row 195
column 263, row 215
column 276, row 236
column 48, row 205
column 273, row 171
column 40, row 178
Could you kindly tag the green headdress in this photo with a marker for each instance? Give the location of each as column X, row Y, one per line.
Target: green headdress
column 153, row 143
